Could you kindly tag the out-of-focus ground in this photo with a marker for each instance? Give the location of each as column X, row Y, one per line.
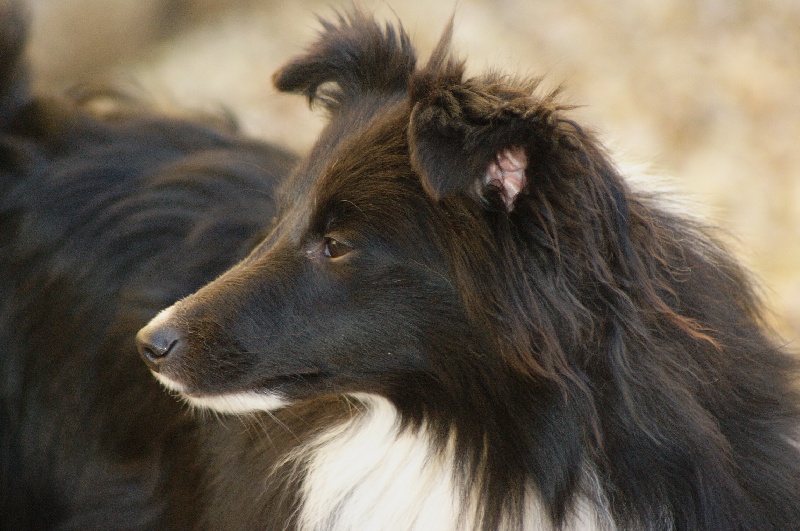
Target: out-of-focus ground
column 704, row 91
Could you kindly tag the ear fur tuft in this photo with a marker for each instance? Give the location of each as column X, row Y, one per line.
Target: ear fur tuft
column 353, row 55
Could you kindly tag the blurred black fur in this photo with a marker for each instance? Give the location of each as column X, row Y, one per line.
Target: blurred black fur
column 105, row 219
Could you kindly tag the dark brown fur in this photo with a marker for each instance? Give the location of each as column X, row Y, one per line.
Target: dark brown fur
column 585, row 326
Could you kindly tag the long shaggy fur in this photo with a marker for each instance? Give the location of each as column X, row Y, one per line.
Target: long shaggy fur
column 406, row 342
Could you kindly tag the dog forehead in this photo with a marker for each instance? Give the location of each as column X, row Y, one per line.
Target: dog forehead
column 371, row 167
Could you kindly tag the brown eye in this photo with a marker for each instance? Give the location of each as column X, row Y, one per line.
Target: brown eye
column 334, row 248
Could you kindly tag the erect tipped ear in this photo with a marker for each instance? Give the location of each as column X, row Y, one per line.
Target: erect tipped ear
column 485, row 138
column 352, row 55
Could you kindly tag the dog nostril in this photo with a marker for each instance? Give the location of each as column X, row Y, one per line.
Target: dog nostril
column 155, row 344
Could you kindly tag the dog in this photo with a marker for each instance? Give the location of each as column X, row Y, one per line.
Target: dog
column 455, row 313
column 108, row 213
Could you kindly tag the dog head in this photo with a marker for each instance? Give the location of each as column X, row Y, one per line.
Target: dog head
column 445, row 235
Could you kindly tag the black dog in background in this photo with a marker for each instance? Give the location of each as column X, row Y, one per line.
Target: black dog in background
column 103, row 221
column 462, row 317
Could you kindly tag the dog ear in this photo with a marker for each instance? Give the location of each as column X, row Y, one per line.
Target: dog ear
column 352, row 56
column 489, row 138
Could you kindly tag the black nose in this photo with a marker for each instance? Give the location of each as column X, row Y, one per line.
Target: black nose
column 156, row 343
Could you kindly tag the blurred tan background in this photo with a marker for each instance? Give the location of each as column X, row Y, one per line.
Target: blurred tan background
column 706, row 92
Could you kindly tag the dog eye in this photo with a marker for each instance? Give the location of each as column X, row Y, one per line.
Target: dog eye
column 334, row 248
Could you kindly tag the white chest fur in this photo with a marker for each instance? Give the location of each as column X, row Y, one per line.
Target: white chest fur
column 369, row 474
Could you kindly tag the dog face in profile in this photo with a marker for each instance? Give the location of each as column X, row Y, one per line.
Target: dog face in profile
column 351, row 293
column 361, row 288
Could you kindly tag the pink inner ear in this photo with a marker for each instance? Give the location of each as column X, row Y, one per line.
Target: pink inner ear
column 508, row 170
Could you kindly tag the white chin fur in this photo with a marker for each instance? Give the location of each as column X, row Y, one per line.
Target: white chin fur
column 234, row 403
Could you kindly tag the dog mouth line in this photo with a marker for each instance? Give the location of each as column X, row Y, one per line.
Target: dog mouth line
column 305, row 376
column 269, row 394
column 301, row 377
